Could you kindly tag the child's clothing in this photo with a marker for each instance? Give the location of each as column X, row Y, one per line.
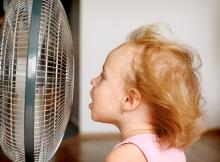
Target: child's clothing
column 149, row 146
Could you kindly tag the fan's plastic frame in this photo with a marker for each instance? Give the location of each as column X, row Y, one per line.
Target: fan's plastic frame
column 31, row 80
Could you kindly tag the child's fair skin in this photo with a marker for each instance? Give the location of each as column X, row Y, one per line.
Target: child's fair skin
column 111, row 103
column 149, row 86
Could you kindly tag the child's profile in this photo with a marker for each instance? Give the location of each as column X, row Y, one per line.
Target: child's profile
column 149, row 88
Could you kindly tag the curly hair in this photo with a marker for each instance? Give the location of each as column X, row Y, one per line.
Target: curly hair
column 169, row 83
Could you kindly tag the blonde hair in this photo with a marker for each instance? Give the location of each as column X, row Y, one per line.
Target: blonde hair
column 168, row 81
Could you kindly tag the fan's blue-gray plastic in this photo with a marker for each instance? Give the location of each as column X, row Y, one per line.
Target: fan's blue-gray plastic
column 31, row 80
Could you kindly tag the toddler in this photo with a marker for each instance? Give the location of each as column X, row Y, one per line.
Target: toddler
column 149, row 89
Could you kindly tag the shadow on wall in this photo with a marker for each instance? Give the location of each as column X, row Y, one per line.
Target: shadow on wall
column 217, row 37
column 216, row 56
column 72, row 9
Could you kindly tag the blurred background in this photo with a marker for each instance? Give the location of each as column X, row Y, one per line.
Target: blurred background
column 98, row 26
column 106, row 24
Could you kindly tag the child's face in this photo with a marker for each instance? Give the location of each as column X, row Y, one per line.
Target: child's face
column 108, row 89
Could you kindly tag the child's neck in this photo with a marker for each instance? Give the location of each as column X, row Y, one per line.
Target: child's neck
column 137, row 121
column 130, row 131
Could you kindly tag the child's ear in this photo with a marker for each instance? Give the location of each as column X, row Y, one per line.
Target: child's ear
column 131, row 100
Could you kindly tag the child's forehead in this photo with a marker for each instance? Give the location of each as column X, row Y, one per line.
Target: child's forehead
column 124, row 50
column 120, row 58
column 119, row 54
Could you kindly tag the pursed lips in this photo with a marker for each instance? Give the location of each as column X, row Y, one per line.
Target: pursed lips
column 90, row 105
column 91, row 91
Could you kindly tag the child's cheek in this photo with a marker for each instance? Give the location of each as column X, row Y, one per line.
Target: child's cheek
column 98, row 95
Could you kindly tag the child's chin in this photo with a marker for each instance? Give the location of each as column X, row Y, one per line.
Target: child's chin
column 95, row 118
column 98, row 119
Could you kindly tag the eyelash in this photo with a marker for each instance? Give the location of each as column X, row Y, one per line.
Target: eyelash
column 102, row 75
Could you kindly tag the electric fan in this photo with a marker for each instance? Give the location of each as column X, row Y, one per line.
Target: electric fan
column 36, row 76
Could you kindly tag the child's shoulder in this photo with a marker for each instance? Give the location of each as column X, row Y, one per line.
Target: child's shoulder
column 126, row 152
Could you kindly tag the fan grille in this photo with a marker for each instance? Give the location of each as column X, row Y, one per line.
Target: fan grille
column 13, row 59
column 54, row 74
column 53, row 81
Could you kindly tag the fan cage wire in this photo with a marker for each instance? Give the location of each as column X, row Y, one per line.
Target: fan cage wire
column 53, row 99
column 54, row 80
column 13, row 57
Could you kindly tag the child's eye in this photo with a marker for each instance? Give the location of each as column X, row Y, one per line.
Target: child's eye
column 102, row 75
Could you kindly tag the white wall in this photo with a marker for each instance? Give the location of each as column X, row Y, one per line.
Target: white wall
column 106, row 23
